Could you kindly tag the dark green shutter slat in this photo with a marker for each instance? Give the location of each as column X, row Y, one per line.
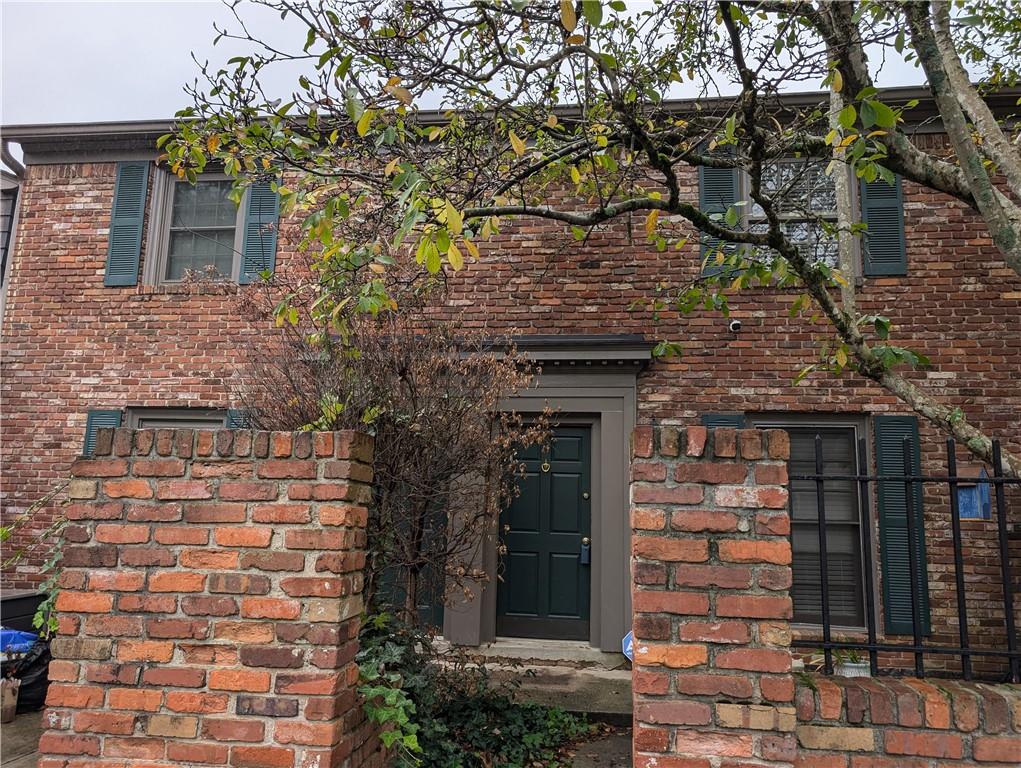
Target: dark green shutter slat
column 717, row 191
column 893, row 525
column 96, row 420
column 125, row 241
column 882, row 210
column 259, row 246
column 238, row 419
column 735, row 420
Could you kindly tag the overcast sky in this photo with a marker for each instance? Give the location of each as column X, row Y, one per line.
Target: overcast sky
column 99, row 60
column 96, row 60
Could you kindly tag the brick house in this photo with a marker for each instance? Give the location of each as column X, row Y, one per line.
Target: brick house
column 99, row 330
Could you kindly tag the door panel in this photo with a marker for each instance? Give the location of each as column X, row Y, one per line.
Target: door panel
column 544, row 586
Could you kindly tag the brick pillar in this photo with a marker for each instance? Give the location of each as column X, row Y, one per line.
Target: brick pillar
column 210, row 602
column 711, row 575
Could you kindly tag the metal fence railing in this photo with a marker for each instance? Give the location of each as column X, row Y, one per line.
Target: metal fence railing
column 915, row 486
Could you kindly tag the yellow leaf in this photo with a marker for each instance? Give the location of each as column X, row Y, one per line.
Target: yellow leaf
column 472, row 249
column 393, row 81
column 455, row 258
column 363, row 122
column 391, row 167
column 841, row 358
column 650, row 222
column 575, row 174
column 454, row 222
column 403, row 95
column 838, row 81
column 213, row 142
column 552, row 121
column 376, row 267
column 575, row 40
column 567, row 15
column 516, row 143
column 487, row 229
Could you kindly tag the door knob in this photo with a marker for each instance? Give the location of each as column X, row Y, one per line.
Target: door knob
column 506, row 528
column 584, row 495
column 585, row 541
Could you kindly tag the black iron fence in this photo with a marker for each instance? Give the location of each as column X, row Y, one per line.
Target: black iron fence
column 914, row 488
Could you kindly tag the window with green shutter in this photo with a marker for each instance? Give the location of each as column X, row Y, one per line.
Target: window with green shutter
column 198, row 231
column 125, row 241
column 882, row 211
column 892, row 499
column 259, row 247
column 717, row 191
column 94, row 421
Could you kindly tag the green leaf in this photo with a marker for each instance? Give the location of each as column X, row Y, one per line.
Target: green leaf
column 885, row 116
column 868, row 113
column 592, row 10
column 432, row 261
column 847, row 116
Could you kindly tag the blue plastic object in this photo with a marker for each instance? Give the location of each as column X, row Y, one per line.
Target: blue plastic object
column 13, row 641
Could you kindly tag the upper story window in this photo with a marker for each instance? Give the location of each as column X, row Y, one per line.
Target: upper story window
column 196, row 230
column 806, row 202
column 203, row 231
column 805, row 198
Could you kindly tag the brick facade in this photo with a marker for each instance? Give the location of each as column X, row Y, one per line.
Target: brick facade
column 711, row 564
column 713, row 682
column 885, row 723
column 211, row 601
column 71, row 344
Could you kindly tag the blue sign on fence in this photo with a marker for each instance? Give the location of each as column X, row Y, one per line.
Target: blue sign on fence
column 628, row 646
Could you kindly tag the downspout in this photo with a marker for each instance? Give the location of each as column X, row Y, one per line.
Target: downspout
column 8, row 159
column 18, row 170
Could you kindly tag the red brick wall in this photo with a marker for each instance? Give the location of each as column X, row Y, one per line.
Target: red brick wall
column 884, row 723
column 211, row 601
column 70, row 344
column 711, row 570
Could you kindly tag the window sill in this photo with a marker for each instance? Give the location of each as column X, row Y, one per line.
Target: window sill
column 197, row 288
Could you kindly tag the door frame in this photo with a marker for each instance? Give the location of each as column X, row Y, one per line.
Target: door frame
column 602, row 396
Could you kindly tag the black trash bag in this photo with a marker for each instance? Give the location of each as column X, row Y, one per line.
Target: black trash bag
column 31, row 669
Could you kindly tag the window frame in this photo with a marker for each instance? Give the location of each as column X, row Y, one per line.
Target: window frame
column 860, row 425
column 158, row 231
column 178, row 418
column 744, row 195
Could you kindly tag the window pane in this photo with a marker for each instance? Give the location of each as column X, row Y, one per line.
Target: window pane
column 198, row 251
column 202, row 228
column 803, row 194
column 843, row 530
column 203, row 204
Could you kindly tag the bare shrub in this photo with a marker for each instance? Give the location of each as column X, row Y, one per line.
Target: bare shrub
column 444, row 448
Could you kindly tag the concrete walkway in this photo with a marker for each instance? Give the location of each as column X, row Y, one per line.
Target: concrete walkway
column 611, row 751
column 19, row 740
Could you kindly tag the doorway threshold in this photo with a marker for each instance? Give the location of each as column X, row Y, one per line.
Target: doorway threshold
column 568, row 653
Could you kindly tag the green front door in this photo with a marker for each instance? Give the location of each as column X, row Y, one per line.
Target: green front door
column 546, row 530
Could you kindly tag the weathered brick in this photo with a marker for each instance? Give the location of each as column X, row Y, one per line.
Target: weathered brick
column 239, row 680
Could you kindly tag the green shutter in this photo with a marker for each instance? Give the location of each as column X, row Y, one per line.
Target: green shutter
column 259, row 246
column 893, row 523
column 96, row 420
column 882, row 210
column 238, row 419
column 735, row 420
column 125, row 241
column 717, row 191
